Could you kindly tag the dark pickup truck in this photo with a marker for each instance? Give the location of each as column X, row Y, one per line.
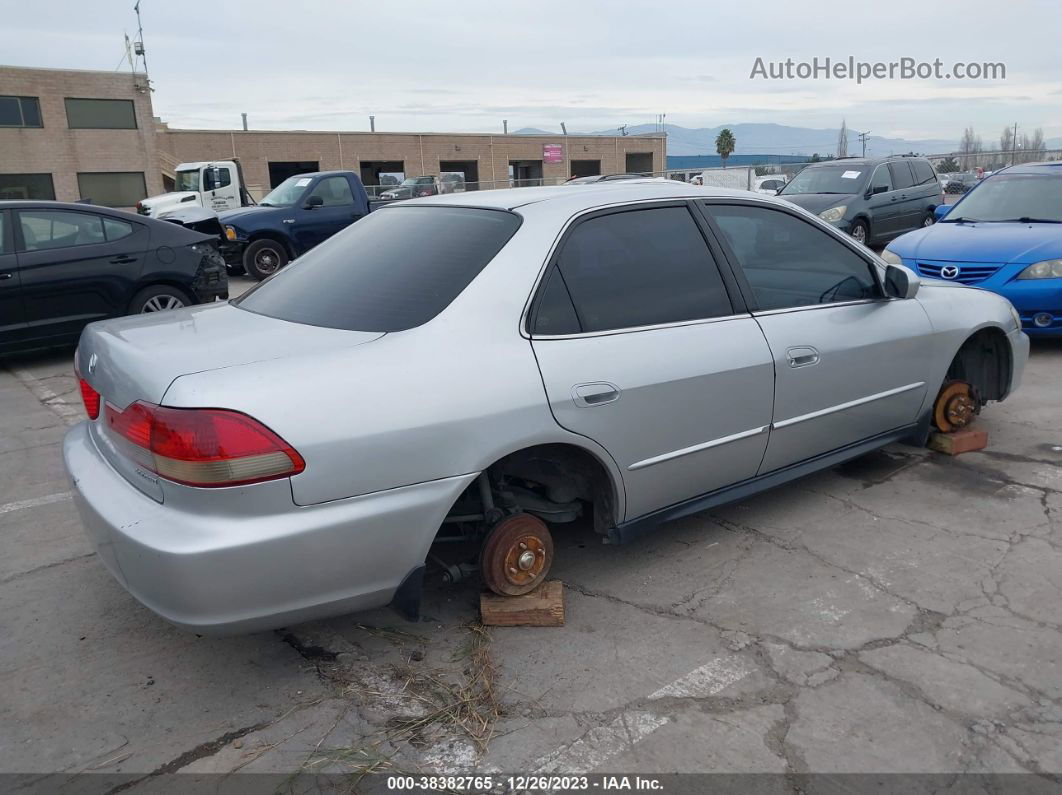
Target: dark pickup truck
column 295, row 216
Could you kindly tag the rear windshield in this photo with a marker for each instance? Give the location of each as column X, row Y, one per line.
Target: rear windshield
column 393, row 270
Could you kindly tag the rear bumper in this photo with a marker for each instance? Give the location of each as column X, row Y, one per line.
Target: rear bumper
column 247, row 558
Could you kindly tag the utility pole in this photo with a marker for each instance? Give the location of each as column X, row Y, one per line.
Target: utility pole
column 623, row 130
column 1014, row 145
column 863, row 140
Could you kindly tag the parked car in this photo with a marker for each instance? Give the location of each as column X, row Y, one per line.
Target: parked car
column 413, row 188
column 960, row 183
column 770, row 184
column 65, row 265
column 452, row 183
column 681, row 347
column 295, row 216
column 872, row 199
column 1004, row 236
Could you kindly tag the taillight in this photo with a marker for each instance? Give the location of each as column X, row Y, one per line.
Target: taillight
column 204, row 447
column 90, row 397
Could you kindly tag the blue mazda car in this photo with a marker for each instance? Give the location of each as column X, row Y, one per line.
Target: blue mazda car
column 1005, row 235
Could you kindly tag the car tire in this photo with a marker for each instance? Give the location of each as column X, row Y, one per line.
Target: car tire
column 158, row 298
column 264, row 258
column 929, row 220
column 860, row 232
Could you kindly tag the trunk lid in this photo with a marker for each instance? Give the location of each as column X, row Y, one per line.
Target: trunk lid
column 138, row 357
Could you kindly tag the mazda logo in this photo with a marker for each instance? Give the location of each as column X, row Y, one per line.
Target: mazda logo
column 949, row 272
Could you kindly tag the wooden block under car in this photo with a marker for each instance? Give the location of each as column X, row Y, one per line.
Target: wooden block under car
column 964, row 441
column 542, row 607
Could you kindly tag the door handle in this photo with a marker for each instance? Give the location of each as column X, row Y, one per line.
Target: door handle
column 803, row 356
column 122, row 260
column 596, row 393
column 5, row 276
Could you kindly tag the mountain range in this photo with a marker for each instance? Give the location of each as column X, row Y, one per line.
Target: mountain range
column 780, row 139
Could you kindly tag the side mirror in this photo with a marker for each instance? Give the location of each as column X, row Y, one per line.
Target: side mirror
column 940, row 211
column 874, row 191
column 314, row 202
column 900, row 282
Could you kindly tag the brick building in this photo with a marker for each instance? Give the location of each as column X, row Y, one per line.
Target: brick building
column 68, row 134
column 71, row 134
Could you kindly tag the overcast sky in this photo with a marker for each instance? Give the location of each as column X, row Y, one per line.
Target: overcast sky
column 464, row 65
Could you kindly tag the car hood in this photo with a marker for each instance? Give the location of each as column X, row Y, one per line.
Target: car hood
column 138, row 357
column 254, row 215
column 984, row 242
column 175, row 197
column 817, row 202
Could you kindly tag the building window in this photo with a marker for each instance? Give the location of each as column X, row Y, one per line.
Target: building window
column 20, row 112
column 100, row 114
column 112, row 188
column 27, row 186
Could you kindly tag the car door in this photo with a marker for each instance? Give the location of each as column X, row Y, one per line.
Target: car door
column 326, row 208
column 76, row 267
column 849, row 363
column 882, row 203
column 909, row 208
column 220, row 192
column 642, row 349
column 12, row 316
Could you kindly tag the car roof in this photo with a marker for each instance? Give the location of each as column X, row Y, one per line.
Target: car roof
column 43, row 204
column 1033, row 168
column 593, row 195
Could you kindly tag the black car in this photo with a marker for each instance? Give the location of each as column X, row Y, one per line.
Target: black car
column 64, row 265
column 874, row 199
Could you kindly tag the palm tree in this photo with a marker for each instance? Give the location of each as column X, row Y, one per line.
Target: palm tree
column 724, row 144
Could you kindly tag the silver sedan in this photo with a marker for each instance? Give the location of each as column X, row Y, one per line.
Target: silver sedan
column 490, row 366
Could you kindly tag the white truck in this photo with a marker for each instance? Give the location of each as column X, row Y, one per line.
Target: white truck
column 216, row 185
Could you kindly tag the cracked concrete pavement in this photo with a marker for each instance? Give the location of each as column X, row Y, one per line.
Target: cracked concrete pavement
column 902, row 612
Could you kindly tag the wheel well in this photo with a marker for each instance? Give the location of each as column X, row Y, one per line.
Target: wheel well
column 560, row 474
column 276, row 238
column 178, row 287
column 984, row 362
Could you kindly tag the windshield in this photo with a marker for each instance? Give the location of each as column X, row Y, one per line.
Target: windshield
column 287, row 192
column 187, row 180
column 828, row 179
column 393, row 270
column 1012, row 197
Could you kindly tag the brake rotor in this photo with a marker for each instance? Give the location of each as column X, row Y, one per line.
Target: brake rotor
column 955, row 407
column 516, row 555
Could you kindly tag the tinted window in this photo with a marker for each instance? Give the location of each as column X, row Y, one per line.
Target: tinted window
column 923, row 172
column 3, row 233
column 901, row 174
column 46, row 229
column 20, row 112
column 334, row 191
column 393, row 270
column 789, row 262
column 554, row 312
column 26, row 186
column 100, row 114
column 881, row 177
column 641, row 268
column 112, row 188
column 115, row 229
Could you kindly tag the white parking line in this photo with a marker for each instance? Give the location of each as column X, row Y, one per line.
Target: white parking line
column 601, row 743
column 70, row 414
column 35, row 502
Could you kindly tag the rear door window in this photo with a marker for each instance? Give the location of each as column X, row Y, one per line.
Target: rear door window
column 901, row 174
column 395, row 269
column 47, row 229
column 637, row 268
